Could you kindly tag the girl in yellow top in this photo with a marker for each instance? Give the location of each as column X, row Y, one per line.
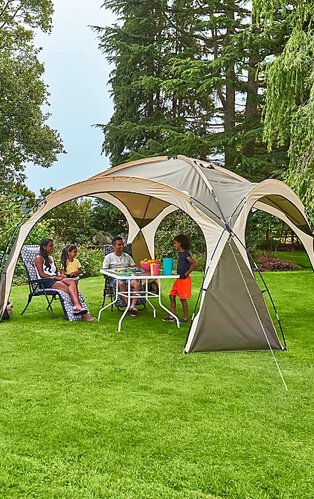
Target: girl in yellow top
column 71, row 266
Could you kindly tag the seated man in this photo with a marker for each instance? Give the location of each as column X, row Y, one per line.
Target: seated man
column 118, row 260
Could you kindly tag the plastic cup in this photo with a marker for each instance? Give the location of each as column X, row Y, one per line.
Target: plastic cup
column 167, row 265
column 155, row 267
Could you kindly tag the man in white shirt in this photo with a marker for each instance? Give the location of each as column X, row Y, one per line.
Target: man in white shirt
column 119, row 260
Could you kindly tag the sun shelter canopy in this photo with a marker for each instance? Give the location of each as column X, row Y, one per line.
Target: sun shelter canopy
column 231, row 314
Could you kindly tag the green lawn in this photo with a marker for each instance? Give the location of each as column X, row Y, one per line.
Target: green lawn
column 87, row 412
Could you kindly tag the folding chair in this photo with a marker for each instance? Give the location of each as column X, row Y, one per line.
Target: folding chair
column 28, row 255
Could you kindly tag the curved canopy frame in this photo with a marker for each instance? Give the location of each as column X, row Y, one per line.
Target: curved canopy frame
column 104, row 189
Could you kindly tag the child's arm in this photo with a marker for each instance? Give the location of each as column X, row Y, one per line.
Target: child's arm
column 78, row 270
column 193, row 265
column 76, row 273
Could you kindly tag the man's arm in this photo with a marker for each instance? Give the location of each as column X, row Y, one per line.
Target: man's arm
column 106, row 263
column 131, row 261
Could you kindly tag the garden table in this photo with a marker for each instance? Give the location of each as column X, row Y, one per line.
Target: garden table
column 144, row 293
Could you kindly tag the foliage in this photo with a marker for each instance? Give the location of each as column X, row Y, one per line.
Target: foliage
column 174, row 224
column 270, row 263
column 71, row 222
column 185, row 82
column 289, row 107
column 91, row 260
column 107, row 218
column 10, row 215
column 24, row 134
column 298, row 257
column 40, row 231
column 263, row 231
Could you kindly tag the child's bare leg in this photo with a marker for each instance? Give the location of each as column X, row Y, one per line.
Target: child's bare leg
column 185, row 309
column 73, row 292
column 64, row 286
column 173, row 304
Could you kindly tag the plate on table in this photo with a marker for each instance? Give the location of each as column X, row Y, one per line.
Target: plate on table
column 137, row 271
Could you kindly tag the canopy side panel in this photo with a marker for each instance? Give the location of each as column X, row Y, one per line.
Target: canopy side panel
column 234, row 315
column 140, row 249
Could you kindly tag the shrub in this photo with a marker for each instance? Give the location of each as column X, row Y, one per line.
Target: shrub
column 91, row 260
column 268, row 262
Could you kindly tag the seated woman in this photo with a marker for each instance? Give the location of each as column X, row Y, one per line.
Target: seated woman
column 47, row 271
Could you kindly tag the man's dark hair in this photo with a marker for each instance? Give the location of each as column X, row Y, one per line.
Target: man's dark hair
column 115, row 239
column 183, row 240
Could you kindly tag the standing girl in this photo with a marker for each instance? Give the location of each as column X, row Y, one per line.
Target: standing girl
column 71, row 266
column 182, row 287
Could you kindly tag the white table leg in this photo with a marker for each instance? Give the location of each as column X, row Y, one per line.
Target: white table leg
column 127, row 307
column 165, row 308
column 147, row 298
column 108, row 305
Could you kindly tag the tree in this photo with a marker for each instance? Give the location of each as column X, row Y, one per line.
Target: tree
column 289, row 107
column 107, row 218
column 71, row 222
column 24, row 134
column 174, row 224
column 135, row 48
column 185, row 81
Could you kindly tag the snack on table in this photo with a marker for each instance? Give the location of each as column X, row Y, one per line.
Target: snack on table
column 145, row 264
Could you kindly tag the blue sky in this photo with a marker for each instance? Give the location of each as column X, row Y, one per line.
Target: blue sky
column 77, row 75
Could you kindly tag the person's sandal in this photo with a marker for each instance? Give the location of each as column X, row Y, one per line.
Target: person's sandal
column 82, row 311
column 183, row 321
column 168, row 319
column 133, row 312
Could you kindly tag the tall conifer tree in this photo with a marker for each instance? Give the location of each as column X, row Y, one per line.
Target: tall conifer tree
column 185, row 81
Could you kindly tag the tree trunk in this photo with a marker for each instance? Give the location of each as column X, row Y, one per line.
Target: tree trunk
column 229, row 110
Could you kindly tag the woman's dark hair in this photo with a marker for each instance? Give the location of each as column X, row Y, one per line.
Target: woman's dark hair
column 64, row 255
column 44, row 253
column 183, row 240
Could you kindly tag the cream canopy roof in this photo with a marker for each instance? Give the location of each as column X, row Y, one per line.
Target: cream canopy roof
column 215, row 198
